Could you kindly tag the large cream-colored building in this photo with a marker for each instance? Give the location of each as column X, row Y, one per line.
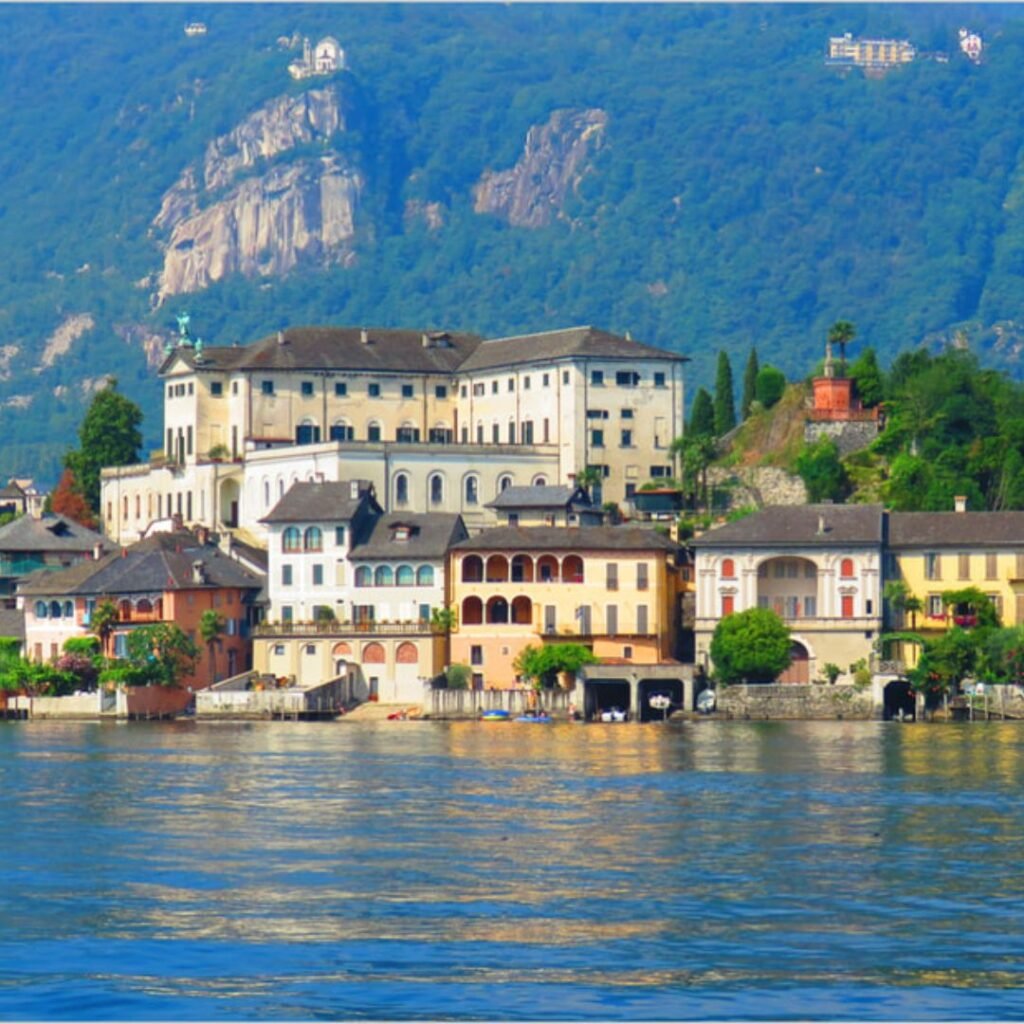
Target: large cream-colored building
column 437, row 422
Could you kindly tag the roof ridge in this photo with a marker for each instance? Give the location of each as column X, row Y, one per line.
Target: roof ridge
column 541, row 334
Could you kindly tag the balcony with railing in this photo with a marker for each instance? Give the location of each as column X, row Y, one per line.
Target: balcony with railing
column 331, row 627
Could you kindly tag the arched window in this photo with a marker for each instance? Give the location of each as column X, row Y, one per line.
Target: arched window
column 497, row 610
column 540, row 481
column 313, row 540
column 522, row 611
column 341, row 430
column 138, row 506
column 425, row 576
column 472, row 611
column 40, row 609
column 384, row 576
column 55, row 609
column 472, row 569
column 373, row 654
column 406, row 654
column 404, row 576
column 522, row 569
column 547, row 569
column 364, row 576
column 846, row 568
column 572, row 569
column 436, row 489
column 402, row 489
column 69, row 609
column 143, row 606
column 266, row 494
column 280, row 487
column 504, row 483
column 373, row 431
column 472, row 490
column 497, row 569
column 728, row 569
column 291, row 539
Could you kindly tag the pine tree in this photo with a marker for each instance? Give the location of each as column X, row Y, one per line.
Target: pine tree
column 749, row 383
column 725, row 405
column 702, row 417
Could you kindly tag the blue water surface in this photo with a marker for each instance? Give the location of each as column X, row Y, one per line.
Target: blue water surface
column 414, row 870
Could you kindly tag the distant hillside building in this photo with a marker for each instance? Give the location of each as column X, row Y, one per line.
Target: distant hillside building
column 971, row 45
column 323, row 59
column 875, row 54
column 195, row 28
column 838, row 412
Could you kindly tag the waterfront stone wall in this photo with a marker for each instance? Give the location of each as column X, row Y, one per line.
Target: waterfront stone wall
column 849, row 436
column 788, row 700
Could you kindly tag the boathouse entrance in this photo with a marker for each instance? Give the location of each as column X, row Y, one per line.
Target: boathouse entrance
column 898, row 701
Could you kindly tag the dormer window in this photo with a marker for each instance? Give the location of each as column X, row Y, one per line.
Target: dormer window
column 400, row 533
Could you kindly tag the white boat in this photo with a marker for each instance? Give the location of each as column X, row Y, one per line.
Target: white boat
column 706, row 701
column 613, row 715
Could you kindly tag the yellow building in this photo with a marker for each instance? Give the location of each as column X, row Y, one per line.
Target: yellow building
column 614, row 589
column 869, row 53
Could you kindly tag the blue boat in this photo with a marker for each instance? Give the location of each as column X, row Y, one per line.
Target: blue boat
column 495, row 715
column 538, row 719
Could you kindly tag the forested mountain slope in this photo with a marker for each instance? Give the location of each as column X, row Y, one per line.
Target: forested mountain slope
column 692, row 174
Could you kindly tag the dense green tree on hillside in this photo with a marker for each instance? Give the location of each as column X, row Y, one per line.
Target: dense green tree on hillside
column 751, row 646
column 868, row 378
column 822, row 471
column 109, row 436
column 749, row 383
column 702, row 416
column 770, row 385
column 725, row 405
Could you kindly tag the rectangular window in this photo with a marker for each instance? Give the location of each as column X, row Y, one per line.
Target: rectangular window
column 476, row 654
column 728, row 605
column 565, row 376
column 286, row 575
column 440, row 391
column 495, row 433
column 597, row 414
column 547, row 431
column 846, row 606
column 792, row 570
column 267, row 387
column 234, row 387
column 935, row 609
column 549, row 618
column 373, row 432
column 627, row 379
column 597, row 378
column 626, row 438
column 511, row 433
column 630, row 490
column 583, row 615
column 611, row 576
column 626, row 414
column 997, row 603
column 465, row 390
column 963, row 566
column 216, row 388
column 641, row 576
column 339, row 536
column 465, row 435
column 545, row 380
column 641, row 618
column 479, row 433
column 792, row 607
column 307, row 389
column 659, row 380
column 478, row 680
column 407, row 391
column 810, row 606
column 494, row 387
column 932, row 566
column 597, row 438
column 286, row 613
column 373, row 390
column 188, row 441
column 340, row 389
column 528, row 432
column 526, row 383
column 660, row 432
column 191, row 387
column 318, row 575
column 657, row 471
column 611, row 619
column 991, row 565
column 511, row 383
column 424, row 613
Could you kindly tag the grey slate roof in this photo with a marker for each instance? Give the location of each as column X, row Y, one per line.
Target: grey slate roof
column 798, row 526
column 50, row 533
column 12, row 622
column 327, row 502
column 161, row 562
column 432, row 534
column 955, row 529
column 566, row 538
column 562, row 344
column 341, row 348
column 549, row 497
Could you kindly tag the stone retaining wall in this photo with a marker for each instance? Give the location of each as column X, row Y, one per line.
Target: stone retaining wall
column 849, row 436
column 790, row 700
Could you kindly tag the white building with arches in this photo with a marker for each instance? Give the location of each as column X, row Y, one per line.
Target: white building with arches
column 818, row 566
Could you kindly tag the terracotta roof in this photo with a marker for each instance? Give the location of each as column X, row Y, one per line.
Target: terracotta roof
column 565, row 538
column 327, row 502
column 52, row 532
column 800, row 526
column 955, row 529
column 562, row 344
column 161, row 562
column 340, row 348
column 431, row 534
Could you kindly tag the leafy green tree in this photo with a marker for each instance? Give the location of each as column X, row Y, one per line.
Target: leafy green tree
column 841, row 333
column 458, row 676
column 109, row 436
column 752, row 646
column 769, row 386
column 162, row 654
column 702, row 415
column 946, row 661
column 868, row 378
column 725, row 407
column 749, row 383
column 1002, row 656
column 822, row 471
column 211, row 629
column 542, row 664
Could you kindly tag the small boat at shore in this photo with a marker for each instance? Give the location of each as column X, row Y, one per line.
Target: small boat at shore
column 613, row 715
column 495, row 715
column 540, row 718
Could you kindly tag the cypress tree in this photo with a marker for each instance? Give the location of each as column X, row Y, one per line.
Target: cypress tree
column 749, row 383
column 702, row 416
column 725, row 405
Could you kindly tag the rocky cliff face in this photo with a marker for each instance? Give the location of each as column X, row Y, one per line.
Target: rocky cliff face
column 554, row 159
column 233, row 216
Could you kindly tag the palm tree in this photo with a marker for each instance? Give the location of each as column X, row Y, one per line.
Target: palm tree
column 211, row 629
column 589, row 478
column 841, row 332
column 102, row 621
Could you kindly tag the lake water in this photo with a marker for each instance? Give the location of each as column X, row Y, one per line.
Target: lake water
column 466, row 870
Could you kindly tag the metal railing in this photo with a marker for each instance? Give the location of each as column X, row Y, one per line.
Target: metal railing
column 332, row 628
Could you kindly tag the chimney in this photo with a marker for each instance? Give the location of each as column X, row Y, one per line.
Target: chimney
column 960, row 503
column 124, row 552
column 353, row 490
column 198, row 572
column 97, row 551
column 364, row 336
column 202, row 535
column 281, row 339
column 425, row 340
column 821, row 526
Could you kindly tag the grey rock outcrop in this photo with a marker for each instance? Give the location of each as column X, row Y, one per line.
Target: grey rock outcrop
column 532, row 193
column 258, row 210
